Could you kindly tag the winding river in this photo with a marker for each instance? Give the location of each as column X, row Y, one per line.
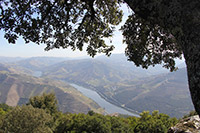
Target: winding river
column 109, row 108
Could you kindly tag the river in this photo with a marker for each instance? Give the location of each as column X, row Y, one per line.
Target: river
column 109, row 108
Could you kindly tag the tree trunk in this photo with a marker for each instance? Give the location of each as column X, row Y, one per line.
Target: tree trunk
column 192, row 58
column 189, row 22
column 190, row 44
column 193, row 70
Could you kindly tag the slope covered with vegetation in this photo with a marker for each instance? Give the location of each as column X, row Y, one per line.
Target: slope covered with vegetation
column 41, row 115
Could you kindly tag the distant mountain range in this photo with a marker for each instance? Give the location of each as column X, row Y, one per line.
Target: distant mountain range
column 119, row 81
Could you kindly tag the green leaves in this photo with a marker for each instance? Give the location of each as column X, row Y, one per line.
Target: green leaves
column 149, row 44
column 151, row 34
column 27, row 119
column 61, row 24
column 155, row 123
column 47, row 102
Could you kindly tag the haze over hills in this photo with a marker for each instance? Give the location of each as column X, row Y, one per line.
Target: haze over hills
column 168, row 93
column 120, row 82
column 17, row 88
column 120, row 61
column 39, row 63
column 88, row 72
column 10, row 59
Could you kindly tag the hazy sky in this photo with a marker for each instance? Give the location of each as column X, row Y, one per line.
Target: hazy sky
column 20, row 49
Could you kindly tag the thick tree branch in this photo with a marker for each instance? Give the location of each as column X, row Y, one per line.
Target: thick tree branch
column 91, row 6
column 135, row 5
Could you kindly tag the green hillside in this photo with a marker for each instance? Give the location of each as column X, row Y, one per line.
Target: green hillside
column 18, row 88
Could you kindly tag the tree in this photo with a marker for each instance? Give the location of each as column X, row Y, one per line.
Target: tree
column 27, row 119
column 155, row 123
column 4, row 109
column 47, row 102
column 157, row 32
column 119, row 125
column 82, row 123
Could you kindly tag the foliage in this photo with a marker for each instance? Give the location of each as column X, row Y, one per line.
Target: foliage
column 192, row 113
column 155, row 123
column 85, row 123
column 162, row 31
column 149, row 44
column 119, row 125
column 47, row 102
column 99, row 123
column 30, row 119
column 152, row 32
column 5, row 107
column 61, row 24
column 27, row 119
column 132, row 122
column 2, row 112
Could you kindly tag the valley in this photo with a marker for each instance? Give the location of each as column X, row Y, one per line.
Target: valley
column 16, row 89
column 116, row 80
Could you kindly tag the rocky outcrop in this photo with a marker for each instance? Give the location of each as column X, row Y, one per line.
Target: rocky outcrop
column 187, row 125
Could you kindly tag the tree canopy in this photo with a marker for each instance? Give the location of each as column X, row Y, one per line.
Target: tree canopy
column 66, row 23
column 47, row 102
column 61, row 24
column 29, row 119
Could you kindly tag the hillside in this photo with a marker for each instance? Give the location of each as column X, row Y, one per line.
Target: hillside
column 18, row 88
column 167, row 92
column 87, row 72
column 119, row 81
column 121, row 62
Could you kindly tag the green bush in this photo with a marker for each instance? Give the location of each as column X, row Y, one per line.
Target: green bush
column 42, row 115
column 155, row 123
column 27, row 119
